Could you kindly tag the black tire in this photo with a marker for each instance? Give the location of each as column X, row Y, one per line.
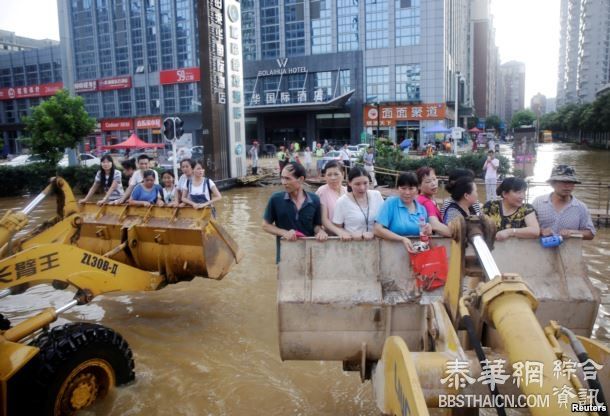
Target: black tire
column 77, row 364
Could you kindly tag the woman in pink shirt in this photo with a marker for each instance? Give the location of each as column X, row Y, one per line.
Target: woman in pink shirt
column 428, row 187
column 329, row 193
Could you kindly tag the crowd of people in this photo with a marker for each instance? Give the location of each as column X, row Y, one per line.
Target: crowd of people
column 358, row 212
column 193, row 188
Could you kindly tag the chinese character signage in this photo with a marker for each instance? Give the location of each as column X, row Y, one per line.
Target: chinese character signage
column 388, row 115
column 85, row 86
column 30, row 91
column 236, row 125
column 117, row 83
column 179, row 76
column 223, row 132
column 117, row 124
column 147, row 123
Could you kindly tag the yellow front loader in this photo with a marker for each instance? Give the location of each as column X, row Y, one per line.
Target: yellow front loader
column 508, row 329
column 95, row 250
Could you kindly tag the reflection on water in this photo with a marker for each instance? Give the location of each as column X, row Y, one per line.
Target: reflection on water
column 210, row 348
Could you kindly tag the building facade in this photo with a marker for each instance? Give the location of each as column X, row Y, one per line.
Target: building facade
column 345, row 70
column 26, row 78
column 10, row 42
column 584, row 50
column 513, row 78
column 133, row 63
column 485, row 58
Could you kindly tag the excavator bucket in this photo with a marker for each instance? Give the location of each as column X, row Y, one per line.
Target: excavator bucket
column 178, row 243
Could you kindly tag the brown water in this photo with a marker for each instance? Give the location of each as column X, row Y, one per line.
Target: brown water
column 211, row 348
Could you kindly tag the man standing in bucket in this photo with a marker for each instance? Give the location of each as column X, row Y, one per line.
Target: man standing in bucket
column 294, row 212
column 560, row 213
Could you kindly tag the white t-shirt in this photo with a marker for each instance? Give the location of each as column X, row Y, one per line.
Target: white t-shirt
column 201, row 189
column 307, row 156
column 182, row 181
column 491, row 169
column 353, row 217
column 344, row 154
column 137, row 177
column 118, row 191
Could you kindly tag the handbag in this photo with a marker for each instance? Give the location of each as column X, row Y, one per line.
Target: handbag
column 430, row 268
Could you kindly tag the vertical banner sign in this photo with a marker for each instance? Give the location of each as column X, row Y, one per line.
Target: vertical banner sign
column 234, row 89
column 214, row 88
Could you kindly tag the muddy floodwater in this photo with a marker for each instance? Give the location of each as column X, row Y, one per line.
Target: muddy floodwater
column 211, row 347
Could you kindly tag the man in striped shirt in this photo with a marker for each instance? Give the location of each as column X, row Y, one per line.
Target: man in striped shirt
column 560, row 213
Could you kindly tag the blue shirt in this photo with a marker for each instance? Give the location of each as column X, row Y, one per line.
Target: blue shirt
column 141, row 194
column 395, row 216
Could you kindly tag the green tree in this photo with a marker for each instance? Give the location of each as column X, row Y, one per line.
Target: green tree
column 493, row 122
column 56, row 124
column 523, row 118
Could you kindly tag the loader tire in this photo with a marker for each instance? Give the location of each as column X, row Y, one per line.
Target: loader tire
column 78, row 363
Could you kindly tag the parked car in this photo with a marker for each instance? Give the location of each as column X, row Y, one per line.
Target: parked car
column 85, row 159
column 268, row 149
column 23, row 160
column 333, row 155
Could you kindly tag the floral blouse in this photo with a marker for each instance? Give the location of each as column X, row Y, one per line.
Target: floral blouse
column 493, row 209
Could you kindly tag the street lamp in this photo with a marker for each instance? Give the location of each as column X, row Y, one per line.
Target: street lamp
column 458, row 78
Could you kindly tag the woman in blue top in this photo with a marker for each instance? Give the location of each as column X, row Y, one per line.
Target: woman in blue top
column 400, row 216
column 148, row 192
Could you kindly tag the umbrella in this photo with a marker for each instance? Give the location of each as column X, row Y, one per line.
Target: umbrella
column 437, row 128
column 134, row 142
column 475, row 130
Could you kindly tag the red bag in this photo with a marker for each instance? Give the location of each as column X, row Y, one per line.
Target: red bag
column 430, row 268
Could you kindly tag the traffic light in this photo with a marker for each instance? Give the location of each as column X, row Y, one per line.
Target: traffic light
column 168, row 128
column 179, row 129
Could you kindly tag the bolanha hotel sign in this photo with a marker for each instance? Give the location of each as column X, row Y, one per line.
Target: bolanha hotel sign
column 282, row 69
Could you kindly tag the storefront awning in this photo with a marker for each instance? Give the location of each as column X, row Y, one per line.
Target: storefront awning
column 333, row 104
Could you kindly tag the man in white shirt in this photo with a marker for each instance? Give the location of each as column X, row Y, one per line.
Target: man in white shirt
column 254, row 157
column 344, row 152
column 137, row 177
column 491, row 175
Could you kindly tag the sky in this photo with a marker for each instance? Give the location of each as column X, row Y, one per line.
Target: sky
column 526, row 31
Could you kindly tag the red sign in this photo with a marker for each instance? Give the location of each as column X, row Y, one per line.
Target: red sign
column 85, row 86
column 117, row 83
column 145, row 123
column 179, row 76
column 117, row 124
column 388, row 115
column 30, row 91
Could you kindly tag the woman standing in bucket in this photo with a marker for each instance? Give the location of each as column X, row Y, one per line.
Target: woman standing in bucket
column 200, row 191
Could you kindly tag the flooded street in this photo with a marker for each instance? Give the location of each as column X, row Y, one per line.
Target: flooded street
column 210, row 347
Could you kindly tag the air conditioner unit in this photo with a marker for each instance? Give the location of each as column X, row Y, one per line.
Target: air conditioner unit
column 140, row 69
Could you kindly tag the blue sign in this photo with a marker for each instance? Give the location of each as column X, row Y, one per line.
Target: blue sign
column 481, row 124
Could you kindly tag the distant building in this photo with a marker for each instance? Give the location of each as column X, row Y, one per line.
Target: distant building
column 538, row 104
column 485, row 58
column 584, row 50
column 513, row 78
column 339, row 69
column 10, row 42
column 26, row 78
column 551, row 105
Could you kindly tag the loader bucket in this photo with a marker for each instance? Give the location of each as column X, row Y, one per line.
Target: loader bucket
column 180, row 243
